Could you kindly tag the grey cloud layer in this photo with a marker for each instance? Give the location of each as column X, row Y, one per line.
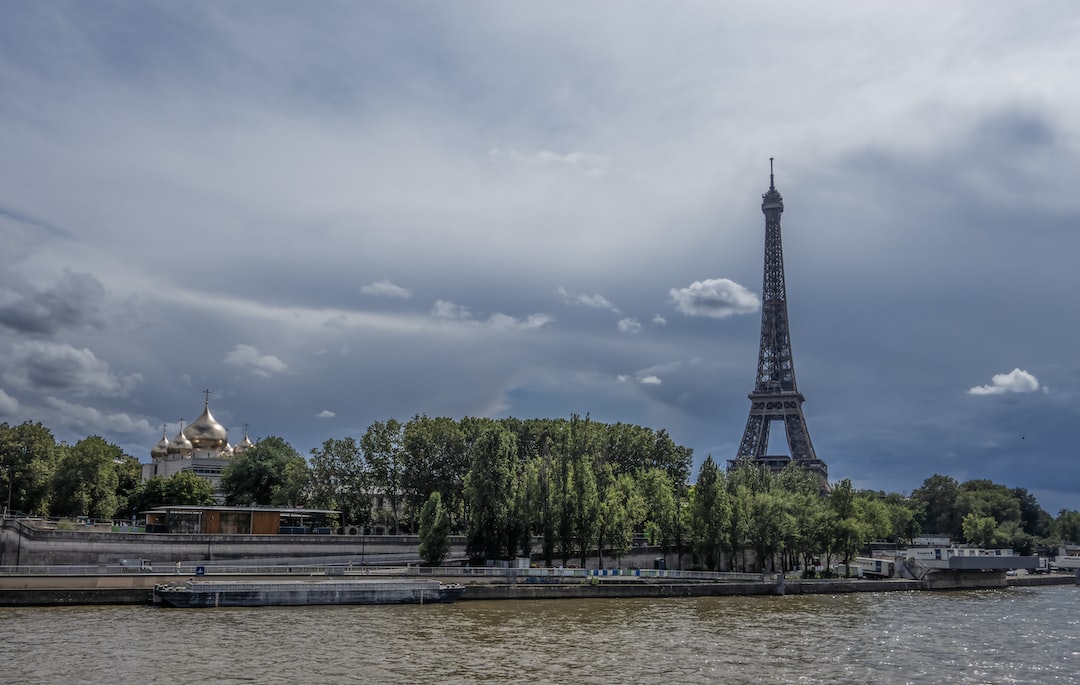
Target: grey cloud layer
column 338, row 214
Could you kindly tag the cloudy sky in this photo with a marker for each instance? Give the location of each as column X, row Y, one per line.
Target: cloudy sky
column 332, row 214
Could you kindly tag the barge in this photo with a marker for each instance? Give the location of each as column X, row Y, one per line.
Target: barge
column 258, row 593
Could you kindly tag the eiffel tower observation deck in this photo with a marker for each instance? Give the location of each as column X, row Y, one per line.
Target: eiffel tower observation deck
column 776, row 397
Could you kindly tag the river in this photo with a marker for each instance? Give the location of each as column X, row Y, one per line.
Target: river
column 1017, row 635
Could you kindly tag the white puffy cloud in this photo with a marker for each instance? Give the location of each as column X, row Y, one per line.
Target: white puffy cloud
column 385, row 288
column 629, row 325
column 658, row 320
column 43, row 365
column 715, row 297
column 650, row 380
column 325, row 414
column 1016, row 380
column 259, row 363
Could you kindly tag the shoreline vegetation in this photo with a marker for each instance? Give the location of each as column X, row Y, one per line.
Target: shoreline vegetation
column 568, row 487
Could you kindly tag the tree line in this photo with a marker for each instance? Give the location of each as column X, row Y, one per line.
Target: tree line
column 571, row 486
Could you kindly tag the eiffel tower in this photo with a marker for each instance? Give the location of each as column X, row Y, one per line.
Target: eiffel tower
column 775, row 396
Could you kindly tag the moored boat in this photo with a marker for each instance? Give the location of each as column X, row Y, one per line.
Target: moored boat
column 257, row 593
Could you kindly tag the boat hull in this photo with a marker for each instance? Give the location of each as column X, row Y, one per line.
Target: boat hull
column 208, row 594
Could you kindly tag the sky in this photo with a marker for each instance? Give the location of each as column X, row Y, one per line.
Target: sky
column 331, row 214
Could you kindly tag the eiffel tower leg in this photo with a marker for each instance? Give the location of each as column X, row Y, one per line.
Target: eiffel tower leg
column 798, row 441
column 755, row 441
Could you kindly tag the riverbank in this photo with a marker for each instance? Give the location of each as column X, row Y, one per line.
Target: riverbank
column 138, row 588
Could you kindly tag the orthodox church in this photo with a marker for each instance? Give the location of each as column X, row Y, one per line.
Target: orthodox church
column 201, row 447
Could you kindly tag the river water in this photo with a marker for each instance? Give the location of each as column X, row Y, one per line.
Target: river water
column 1018, row 635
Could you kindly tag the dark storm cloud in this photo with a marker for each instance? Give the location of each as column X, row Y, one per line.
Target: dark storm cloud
column 332, row 216
column 75, row 300
column 48, row 366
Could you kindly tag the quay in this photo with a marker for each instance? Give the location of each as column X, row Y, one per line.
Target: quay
column 60, row 586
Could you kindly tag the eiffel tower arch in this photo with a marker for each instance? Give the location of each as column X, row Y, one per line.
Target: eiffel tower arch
column 776, row 397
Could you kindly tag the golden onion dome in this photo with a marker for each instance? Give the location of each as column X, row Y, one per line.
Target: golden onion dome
column 161, row 449
column 205, row 433
column 180, row 444
column 227, row 450
column 244, row 445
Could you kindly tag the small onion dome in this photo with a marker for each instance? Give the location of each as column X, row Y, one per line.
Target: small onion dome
column 161, row 449
column 244, row 445
column 180, row 444
column 205, row 433
column 227, row 450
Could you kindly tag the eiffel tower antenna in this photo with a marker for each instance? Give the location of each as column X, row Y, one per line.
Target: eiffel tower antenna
column 776, row 396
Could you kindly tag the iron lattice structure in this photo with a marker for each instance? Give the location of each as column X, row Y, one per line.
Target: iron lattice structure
column 776, row 397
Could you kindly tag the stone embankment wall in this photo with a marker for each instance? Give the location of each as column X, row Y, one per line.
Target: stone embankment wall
column 25, row 544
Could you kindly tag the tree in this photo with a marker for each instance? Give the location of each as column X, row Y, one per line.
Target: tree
column 586, row 500
column 149, row 495
column 979, row 530
column 341, row 480
column 85, row 481
column 710, row 514
column 1036, row 520
column 128, row 479
column 1068, row 526
column 660, row 510
column 940, row 499
column 986, row 498
column 434, row 531
column 28, row 458
column 622, row 509
column 770, row 524
column 184, row 487
column 384, row 452
column 489, row 492
column 188, row 488
column 435, row 458
column 270, row 473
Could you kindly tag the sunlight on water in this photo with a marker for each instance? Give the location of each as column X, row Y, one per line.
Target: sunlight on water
column 1008, row 636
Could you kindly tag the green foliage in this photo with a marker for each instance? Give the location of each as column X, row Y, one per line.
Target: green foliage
column 939, row 496
column 434, row 531
column 435, row 459
column 384, row 452
column 270, row 473
column 341, row 479
column 188, row 488
column 489, row 493
column 85, row 481
column 621, row 512
column 578, row 484
column 1067, row 525
column 29, row 456
column 586, row 504
column 979, row 530
column 128, row 480
column 710, row 514
column 660, row 507
column 181, row 488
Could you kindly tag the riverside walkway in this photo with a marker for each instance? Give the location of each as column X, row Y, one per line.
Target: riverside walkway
column 119, row 584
